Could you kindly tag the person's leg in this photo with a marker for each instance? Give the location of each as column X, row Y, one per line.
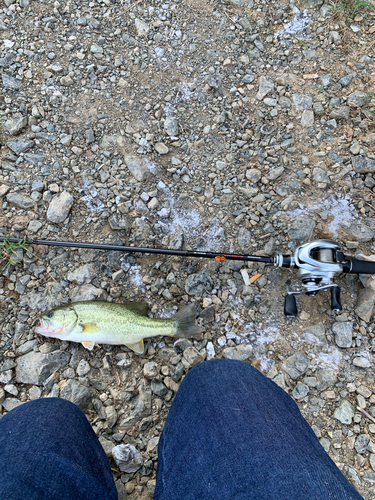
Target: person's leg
column 233, row 434
column 48, row 451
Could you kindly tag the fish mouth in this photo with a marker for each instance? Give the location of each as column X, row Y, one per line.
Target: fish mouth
column 45, row 328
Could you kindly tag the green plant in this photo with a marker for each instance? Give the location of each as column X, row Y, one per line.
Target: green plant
column 9, row 254
column 321, row 88
column 301, row 42
column 351, row 7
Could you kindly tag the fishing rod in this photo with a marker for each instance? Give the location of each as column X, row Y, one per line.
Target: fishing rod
column 317, row 262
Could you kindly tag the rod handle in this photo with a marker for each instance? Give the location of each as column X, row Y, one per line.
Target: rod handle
column 290, row 305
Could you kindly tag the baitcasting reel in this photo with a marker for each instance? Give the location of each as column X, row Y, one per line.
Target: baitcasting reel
column 317, row 263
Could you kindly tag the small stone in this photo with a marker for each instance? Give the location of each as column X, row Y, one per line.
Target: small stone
column 20, row 146
column 197, row 284
column 307, row 119
column 315, row 333
column 300, row 391
column 326, row 378
column 10, row 83
column 365, row 304
column 66, row 81
column 83, row 273
column 346, row 80
column 16, row 125
column 96, row 49
column 265, row 87
column 141, row 27
column 193, row 356
column 301, row 230
column 127, row 457
column 20, row 200
column 302, row 102
column 327, row 80
column 83, row 368
column 4, row 189
column 253, row 175
column 161, row 148
column 151, row 370
column 361, row 362
column 59, row 207
column 345, row 413
column 118, row 222
column 159, row 389
column 343, row 334
column 137, row 167
column 35, row 367
column 78, row 394
column 244, row 238
column 357, row 99
column 340, row 113
column 34, row 226
column 296, row 365
column 87, row 292
column 90, row 137
column 240, row 352
column 361, row 443
column 171, row 127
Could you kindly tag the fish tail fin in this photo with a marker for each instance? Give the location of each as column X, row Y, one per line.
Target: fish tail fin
column 186, row 326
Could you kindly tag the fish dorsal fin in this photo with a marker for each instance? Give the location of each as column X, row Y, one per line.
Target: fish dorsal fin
column 137, row 347
column 139, row 307
column 89, row 328
column 88, row 344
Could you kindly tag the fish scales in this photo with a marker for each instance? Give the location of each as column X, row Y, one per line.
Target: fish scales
column 98, row 322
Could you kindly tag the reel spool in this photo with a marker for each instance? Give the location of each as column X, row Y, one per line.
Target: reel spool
column 317, row 262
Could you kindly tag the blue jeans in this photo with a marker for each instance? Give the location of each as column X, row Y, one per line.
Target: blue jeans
column 230, row 434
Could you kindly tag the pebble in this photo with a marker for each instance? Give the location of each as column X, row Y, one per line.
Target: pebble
column 345, row 413
column 15, row 125
column 361, row 362
column 59, row 207
column 161, row 148
column 301, row 229
column 127, row 457
column 300, row 391
column 296, row 365
column 240, row 352
column 34, row 368
column 343, row 333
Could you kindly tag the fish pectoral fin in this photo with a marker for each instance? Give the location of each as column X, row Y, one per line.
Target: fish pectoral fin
column 89, row 328
column 137, row 347
column 88, row 344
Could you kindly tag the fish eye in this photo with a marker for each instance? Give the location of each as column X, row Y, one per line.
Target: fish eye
column 50, row 314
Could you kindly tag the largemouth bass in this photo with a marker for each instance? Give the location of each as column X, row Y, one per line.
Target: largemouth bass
column 95, row 322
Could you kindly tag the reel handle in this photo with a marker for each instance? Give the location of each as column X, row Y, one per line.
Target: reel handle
column 290, row 305
column 356, row 266
column 335, row 299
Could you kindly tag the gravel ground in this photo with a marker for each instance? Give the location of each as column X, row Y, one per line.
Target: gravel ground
column 244, row 126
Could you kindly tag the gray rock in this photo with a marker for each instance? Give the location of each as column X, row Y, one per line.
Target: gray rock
column 66, row 81
column 345, row 413
column 318, row 109
column 151, row 370
column 107, row 446
column 300, row 391
column 315, row 333
column 359, row 232
column 343, row 333
column 171, row 126
column 4, row 189
column 141, row 407
column 327, row 80
column 254, row 175
column 365, row 304
column 265, row 87
column 141, row 27
column 83, row 273
column 20, row 146
column 361, row 362
column 275, row 173
column 34, row 226
column 16, row 125
column 161, row 148
column 357, row 99
column 10, row 83
column 90, row 136
column 118, row 222
column 302, row 102
column 137, row 167
column 33, row 158
column 369, row 477
column 363, row 165
column 159, row 388
column 59, row 207
column 340, row 113
column 307, row 119
column 296, row 365
column 111, row 416
column 83, row 368
column 301, row 230
column 193, row 356
column 34, row 368
column 127, row 457
column 240, row 352
column 197, row 284
column 361, row 443
column 346, row 80
column 87, row 292
column 244, row 238
column 78, row 394
column 20, row 200
column 312, row 4
column 325, row 377
column 320, row 175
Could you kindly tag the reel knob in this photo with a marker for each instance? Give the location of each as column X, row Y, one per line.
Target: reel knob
column 335, row 299
column 290, row 305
